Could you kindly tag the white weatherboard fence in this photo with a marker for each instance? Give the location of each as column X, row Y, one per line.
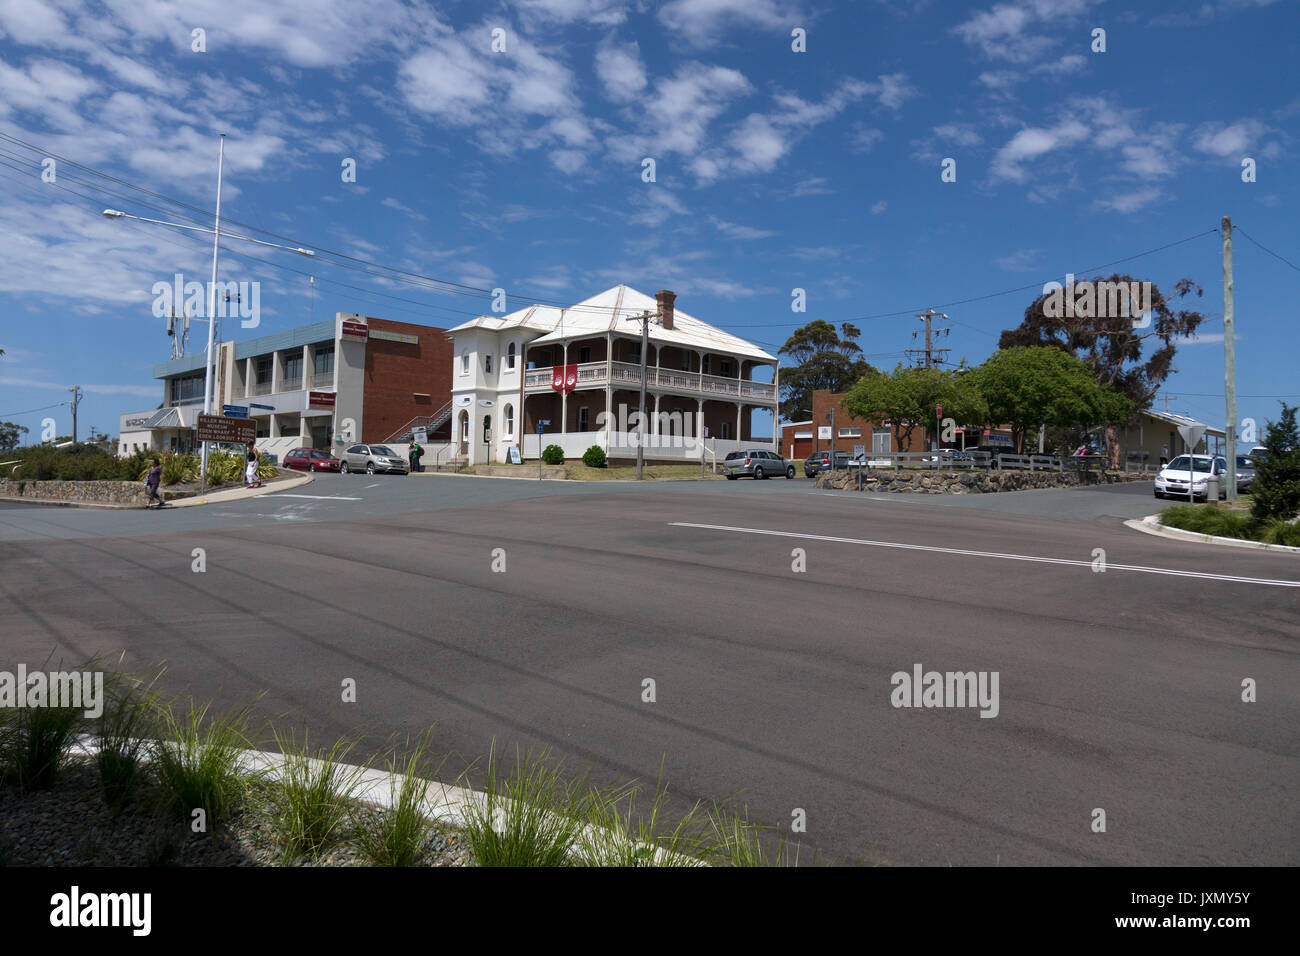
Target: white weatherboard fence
column 623, row 445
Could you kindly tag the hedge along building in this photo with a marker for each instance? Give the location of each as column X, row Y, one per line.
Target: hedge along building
column 698, row 378
column 353, row 378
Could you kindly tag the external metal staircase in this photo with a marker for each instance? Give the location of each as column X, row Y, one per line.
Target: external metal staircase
column 430, row 422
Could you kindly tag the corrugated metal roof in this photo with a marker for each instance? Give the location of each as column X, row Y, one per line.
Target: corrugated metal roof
column 610, row 311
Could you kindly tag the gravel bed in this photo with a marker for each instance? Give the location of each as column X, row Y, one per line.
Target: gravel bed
column 69, row 825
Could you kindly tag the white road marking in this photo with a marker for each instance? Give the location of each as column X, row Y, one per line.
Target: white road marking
column 992, row 554
column 856, row 496
column 321, row 497
column 375, row 485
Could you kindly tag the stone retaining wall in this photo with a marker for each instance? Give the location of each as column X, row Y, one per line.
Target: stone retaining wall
column 968, row 482
column 89, row 492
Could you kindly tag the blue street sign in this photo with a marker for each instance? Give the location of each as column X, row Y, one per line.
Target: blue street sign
column 234, row 411
column 269, row 408
column 541, row 425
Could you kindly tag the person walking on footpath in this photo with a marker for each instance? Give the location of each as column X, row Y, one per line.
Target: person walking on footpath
column 250, row 472
column 416, row 454
column 151, row 483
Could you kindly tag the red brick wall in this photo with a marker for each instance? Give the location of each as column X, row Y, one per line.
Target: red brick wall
column 397, row 371
column 824, row 401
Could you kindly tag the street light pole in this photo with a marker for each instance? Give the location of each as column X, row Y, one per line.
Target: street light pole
column 212, row 306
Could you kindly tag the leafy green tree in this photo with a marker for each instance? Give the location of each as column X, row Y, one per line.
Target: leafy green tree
column 906, row 398
column 1276, row 492
column 1112, row 347
column 10, row 434
column 823, row 359
column 1026, row 387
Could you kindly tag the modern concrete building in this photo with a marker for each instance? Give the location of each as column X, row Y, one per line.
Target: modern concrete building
column 352, row 378
column 579, row 368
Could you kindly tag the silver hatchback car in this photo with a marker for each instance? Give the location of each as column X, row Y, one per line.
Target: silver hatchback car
column 756, row 463
column 371, row 459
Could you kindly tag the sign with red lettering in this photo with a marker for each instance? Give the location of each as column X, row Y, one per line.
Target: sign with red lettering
column 355, row 330
column 320, row 399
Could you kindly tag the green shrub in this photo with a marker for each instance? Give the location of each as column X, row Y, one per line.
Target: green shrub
column 198, row 762
column 311, row 797
column 1283, row 532
column 618, row 837
column 396, row 835
column 1275, row 493
column 34, row 744
column 1223, row 522
column 531, row 817
column 594, row 457
column 553, row 455
column 122, row 731
column 82, row 462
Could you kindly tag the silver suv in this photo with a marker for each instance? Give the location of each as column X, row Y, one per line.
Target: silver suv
column 372, row 458
column 755, row 463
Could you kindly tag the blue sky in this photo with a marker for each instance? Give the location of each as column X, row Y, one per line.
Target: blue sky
column 522, row 169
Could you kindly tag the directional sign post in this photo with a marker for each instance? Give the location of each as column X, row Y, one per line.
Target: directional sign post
column 541, row 430
column 234, row 411
column 1191, row 438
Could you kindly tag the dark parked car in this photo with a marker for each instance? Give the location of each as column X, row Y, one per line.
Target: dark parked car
column 311, row 459
column 1245, row 472
column 821, row 461
column 756, row 463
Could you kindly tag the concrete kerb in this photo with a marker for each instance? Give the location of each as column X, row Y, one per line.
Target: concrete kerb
column 236, row 494
column 1151, row 525
column 445, row 804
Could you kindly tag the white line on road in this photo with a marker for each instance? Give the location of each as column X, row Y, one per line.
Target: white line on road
column 375, row 485
column 322, row 497
column 991, row 554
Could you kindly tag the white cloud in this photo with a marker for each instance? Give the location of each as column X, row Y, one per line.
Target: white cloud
column 599, row 12
column 1005, row 31
column 863, row 138
column 1021, row 260
column 653, row 205
column 1132, row 201
column 700, row 22
column 1231, row 141
column 733, row 231
column 958, row 134
column 811, row 187
column 621, row 72
column 878, row 207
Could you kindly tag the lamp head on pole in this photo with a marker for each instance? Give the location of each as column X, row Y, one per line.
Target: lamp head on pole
column 113, row 214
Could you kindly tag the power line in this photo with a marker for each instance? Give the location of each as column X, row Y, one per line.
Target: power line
column 1237, row 228
column 32, row 411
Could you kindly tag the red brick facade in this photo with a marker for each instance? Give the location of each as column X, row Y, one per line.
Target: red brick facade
column 405, row 380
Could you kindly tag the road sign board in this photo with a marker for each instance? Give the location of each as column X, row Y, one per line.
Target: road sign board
column 1192, row 435
column 234, row 411
column 217, row 428
column 420, row 435
column 269, row 408
column 859, row 452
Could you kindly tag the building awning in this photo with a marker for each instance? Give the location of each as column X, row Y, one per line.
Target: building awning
column 166, row 418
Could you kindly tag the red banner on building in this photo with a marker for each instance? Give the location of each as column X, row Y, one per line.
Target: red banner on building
column 564, row 378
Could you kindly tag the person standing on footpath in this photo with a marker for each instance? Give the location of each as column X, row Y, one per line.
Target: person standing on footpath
column 416, row 454
column 250, row 472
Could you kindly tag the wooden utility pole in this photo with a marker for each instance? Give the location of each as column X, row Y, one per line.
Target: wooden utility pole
column 76, row 400
column 1229, row 360
column 927, row 317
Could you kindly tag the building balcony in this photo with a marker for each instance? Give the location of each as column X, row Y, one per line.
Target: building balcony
column 627, row 375
column 291, row 384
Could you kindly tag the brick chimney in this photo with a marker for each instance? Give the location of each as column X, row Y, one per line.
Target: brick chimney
column 665, row 300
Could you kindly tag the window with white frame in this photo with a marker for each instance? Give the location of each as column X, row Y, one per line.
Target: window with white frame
column 850, row 432
column 510, row 420
column 464, row 361
column 510, row 357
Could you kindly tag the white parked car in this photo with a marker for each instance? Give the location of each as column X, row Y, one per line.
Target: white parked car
column 1174, row 477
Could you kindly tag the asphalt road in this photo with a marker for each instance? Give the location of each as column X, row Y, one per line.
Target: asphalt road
column 1118, row 690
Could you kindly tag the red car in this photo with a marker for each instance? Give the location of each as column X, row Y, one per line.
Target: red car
column 311, row 459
